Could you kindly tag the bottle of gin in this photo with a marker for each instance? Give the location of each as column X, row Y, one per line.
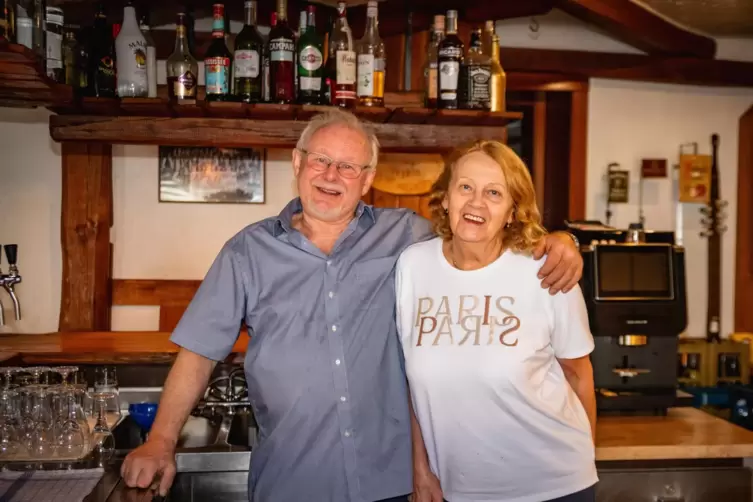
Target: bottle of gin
column 371, row 61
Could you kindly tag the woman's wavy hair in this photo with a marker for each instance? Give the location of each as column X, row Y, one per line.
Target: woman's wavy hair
column 525, row 231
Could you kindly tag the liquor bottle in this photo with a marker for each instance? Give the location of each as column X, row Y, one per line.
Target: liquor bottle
column 475, row 76
column 343, row 61
column 38, row 33
column 310, row 62
column 182, row 67
column 217, row 59
column 302, row 21
column 266, row 91
column 151, row 56
column 130, row 50
column 249, row 47
column 70, row 65
column 371, row 61
column 281, row 58
column 101, row 61
column 8, row 21
column 54, row 34
column 449, row 57
column 498, row 79
column 430, row 71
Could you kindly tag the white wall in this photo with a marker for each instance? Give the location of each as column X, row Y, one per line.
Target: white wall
column 627, row 121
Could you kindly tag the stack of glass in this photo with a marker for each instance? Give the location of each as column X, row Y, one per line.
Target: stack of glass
column 49, row 414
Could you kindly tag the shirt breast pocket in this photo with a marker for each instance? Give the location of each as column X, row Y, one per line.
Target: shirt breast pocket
column 371, row 283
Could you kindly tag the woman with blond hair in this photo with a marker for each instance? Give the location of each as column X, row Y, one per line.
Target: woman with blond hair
column 499, row 371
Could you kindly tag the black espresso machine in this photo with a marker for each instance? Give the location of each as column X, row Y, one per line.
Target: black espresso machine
column 634, row 288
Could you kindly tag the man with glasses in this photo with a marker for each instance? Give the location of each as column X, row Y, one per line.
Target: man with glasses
column 324, row 369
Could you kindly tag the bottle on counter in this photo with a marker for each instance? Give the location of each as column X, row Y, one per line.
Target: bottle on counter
column 70, row 55
column 431, row 68
column 372, row 61
column 38, row 33
column 282, row 58
column 151, row 56
column 475, row 76
column 54, row 43
column 486, row 37
column 449, row 58
column 342, row 61
column 217, row 59
column 130, row 51
column 247, row 58
column 310, row 62
column 302, row 19
column 101, row 80
column 182, row 67
column 498, row 79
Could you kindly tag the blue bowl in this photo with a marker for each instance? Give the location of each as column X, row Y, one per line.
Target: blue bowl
column 143, row 414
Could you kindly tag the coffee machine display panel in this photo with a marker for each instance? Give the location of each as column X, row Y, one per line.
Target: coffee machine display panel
column 628, row 272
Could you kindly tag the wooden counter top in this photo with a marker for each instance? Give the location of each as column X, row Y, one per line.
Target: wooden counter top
column 685, row 433
column 109, row 347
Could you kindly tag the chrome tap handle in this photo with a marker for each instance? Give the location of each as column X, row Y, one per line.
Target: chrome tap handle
column 2, row 315
column 12, row 278
column 14, row 298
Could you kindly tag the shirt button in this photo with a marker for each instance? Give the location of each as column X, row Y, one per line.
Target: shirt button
column 329, row 262
column 331, row 294
column 337, row 362
column 334, row 327
column 347, row 434
column 343, row 399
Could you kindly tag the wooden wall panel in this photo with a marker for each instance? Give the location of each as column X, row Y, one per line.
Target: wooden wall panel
column 744, row 261
column 578, row 153
column 85, row 237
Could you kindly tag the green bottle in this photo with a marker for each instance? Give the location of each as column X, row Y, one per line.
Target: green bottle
column 249, row 47
column 310, row 62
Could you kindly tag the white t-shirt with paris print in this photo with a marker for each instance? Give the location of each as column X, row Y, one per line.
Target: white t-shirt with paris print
column 499, row 419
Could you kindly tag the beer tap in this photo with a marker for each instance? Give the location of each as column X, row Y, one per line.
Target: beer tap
column 9, row 280
column 2, row 313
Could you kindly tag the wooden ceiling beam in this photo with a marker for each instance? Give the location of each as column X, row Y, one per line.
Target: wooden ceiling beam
column 641, row 27
column 690, row 71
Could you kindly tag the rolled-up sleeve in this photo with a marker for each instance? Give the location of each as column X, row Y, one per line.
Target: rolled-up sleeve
column 212, row 321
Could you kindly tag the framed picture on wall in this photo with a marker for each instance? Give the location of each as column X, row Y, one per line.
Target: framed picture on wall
column 212, row 175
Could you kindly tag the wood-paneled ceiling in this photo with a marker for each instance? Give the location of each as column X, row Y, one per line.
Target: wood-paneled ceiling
column 715, row 17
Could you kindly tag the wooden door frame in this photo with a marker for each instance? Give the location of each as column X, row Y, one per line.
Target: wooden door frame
column 744, row 251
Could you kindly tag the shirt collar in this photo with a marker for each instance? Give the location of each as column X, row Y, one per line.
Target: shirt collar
column 284, row 221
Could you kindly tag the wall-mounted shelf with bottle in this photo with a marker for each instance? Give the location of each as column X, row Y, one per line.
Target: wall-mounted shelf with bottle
column 158, row 121
column 23, row 82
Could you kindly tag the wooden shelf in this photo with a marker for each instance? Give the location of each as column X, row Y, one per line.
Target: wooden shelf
column 23, row 81
column 158, row 121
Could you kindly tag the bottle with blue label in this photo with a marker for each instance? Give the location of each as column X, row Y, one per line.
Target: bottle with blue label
column 218, row 60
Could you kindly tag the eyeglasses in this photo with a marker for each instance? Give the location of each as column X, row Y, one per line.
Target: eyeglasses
column 320, row 162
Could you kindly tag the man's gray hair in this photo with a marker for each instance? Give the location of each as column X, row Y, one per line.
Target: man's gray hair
column 338, row 117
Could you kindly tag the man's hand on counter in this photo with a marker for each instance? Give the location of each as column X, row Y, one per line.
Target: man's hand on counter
column 149, row 464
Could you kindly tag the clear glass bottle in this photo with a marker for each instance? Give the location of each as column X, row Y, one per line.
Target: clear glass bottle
column 182, row 67
column 431, row 68
column 151, row 56
column 130, row 57
column 342, row 61
column 372, row 61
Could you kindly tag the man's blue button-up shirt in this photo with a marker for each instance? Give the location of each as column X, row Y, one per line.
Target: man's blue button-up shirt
column 324, row 366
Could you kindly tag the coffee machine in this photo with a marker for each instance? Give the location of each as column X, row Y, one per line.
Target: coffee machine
column 634, row 288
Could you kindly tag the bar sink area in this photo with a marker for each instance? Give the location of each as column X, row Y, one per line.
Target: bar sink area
column 212, row 453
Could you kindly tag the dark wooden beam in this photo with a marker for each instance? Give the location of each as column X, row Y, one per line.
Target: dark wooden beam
column 641, row 27
column 85, row 237
column 264, row 134
column 693, row 71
